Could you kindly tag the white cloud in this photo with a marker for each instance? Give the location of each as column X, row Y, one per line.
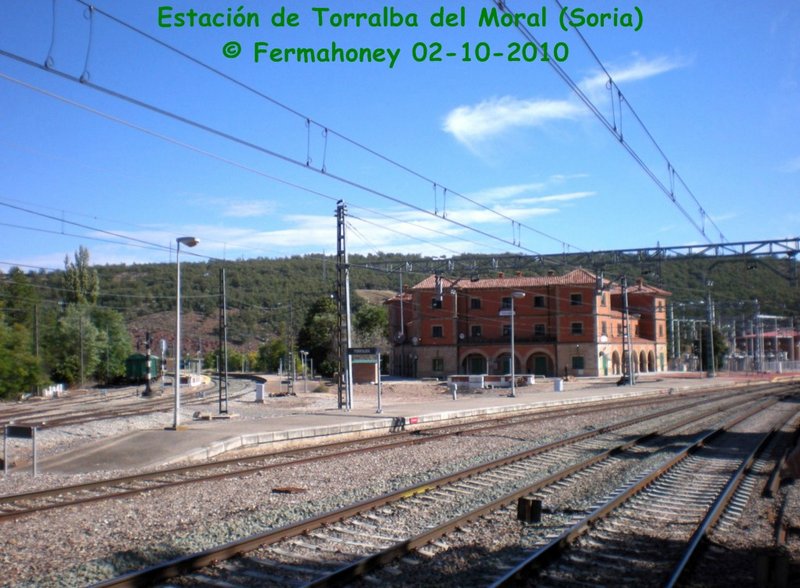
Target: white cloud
column 555, row 198
column 248, row 208
column 504, row 192
column 641, row 69
column 472, row 124
column 718, row 218
column 482, row 216
column 231, row 207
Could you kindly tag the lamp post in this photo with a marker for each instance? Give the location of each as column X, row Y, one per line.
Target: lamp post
column 515, row 294
column 189, row 242
column 710, row 357
column 304, row 355
column 627, row 352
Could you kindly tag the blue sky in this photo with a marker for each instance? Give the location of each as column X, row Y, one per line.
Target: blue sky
column 493, row 156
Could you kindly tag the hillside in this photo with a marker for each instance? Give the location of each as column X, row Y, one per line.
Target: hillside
column 270, row 296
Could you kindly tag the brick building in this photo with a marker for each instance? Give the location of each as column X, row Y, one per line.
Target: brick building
column 562, row 325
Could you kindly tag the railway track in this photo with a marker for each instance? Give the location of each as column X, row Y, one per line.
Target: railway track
column 649, row 532
column 15, row 506
column 341, row 546
column 75, row 411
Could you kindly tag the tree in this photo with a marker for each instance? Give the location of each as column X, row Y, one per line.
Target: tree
column 372, row 325
column 80, row 281
column 318, row 334
column 114, row 344
column 21, row 299
column 270, row 355
column 19, row 368
column 75, row 346
column 720, row 347
column 235, row 361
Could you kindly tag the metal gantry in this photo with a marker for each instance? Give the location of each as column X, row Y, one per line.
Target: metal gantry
column 222, row 360
column 344, row 332
column 466, row 265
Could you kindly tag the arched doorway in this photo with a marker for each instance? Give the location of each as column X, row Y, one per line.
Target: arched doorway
column 540, row 364
column 643, row 361
column 503, row 363
column 474, row 363
column 651, row 361
column 616, row 364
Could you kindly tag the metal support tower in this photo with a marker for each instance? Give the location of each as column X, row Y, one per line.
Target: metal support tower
column 759, row 340
column 627, row 348
column 710, row 359
column 148, row 391
column 671, row 333
column 345, row 385
column 222, row 349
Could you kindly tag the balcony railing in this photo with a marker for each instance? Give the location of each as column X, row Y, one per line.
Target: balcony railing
column 519, row 339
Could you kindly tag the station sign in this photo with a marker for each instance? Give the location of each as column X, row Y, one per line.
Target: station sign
column 19, row 432
column 362, row 351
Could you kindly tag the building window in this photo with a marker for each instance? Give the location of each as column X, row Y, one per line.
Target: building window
column 576, row 328
column 438, row 331
column 575, row 299
column 603, row 330
column 603, row 300
column 660, row 330
column 475, row 303
column 436, row 302
column 540, row 330
column 636, row 331
column 577, row 362
column 538, row 302
column 506, row 302
column 476, row 331
column 438, row 364
column 506, row 330
column 619, row 329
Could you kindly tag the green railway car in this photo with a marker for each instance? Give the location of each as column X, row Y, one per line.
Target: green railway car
column 136, row 368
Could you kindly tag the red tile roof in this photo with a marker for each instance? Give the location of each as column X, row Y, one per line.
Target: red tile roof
column 646, row 288
column 575, row 277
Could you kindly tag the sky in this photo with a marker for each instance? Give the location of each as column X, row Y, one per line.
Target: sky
column 122, row 131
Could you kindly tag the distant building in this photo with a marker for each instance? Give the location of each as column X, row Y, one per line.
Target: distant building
column 562, row 325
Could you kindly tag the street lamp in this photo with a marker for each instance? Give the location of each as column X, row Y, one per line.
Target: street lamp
column 304, row 355
column 189, row 242
column 627, row 352
column 515, row 294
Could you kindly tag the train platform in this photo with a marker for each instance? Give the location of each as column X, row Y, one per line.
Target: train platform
column 201, row 439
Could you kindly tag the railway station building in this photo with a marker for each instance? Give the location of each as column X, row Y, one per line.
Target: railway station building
column 563, row 325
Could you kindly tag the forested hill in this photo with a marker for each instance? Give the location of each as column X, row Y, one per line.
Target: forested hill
column 264, row 294
column 79, row 325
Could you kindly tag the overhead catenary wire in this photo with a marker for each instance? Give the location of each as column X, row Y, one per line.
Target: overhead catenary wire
column 234, row 163
column 137, row 241
column 79, row 236
column 516, row 225
column 308, row 121
column 612, row 125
